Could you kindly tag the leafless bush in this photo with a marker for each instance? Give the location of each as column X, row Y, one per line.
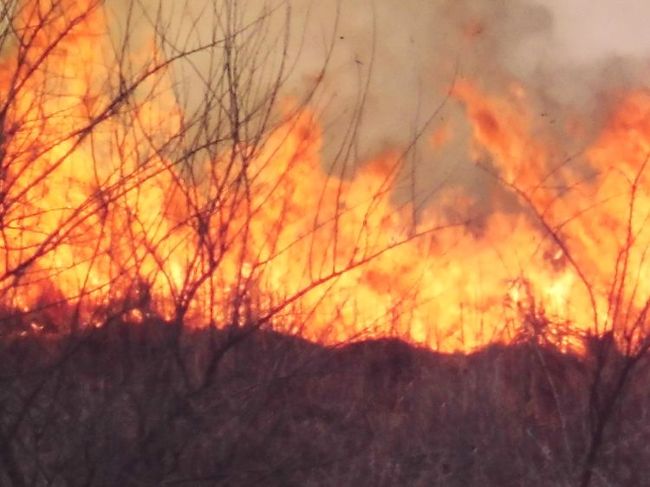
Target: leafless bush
column 106, row 257
column 109, row 215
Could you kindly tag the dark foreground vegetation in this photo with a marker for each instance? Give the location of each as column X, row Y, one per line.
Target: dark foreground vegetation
column 151, row 404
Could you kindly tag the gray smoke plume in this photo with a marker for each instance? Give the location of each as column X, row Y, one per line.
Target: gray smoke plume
column 573, row 58
column 392, row 63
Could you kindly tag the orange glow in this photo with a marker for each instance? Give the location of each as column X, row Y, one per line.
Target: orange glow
column 94, row 214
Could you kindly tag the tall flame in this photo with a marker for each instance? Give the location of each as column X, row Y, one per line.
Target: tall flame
column 101, row 206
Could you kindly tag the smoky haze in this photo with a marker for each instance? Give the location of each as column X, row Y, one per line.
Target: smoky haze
column 392, row 63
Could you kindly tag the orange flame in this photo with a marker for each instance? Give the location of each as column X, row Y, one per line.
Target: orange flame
column 98, row 208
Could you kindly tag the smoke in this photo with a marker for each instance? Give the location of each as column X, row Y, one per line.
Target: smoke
column 392, row 63
column 572, row 59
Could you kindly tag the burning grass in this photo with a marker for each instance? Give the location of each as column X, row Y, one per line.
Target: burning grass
column 176, row 284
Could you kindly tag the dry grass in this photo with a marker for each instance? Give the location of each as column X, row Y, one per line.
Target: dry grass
column 155, row 405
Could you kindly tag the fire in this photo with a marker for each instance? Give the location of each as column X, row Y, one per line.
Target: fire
column 104, row 214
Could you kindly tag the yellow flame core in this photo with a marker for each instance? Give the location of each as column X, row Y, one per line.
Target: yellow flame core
column 95, row 208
